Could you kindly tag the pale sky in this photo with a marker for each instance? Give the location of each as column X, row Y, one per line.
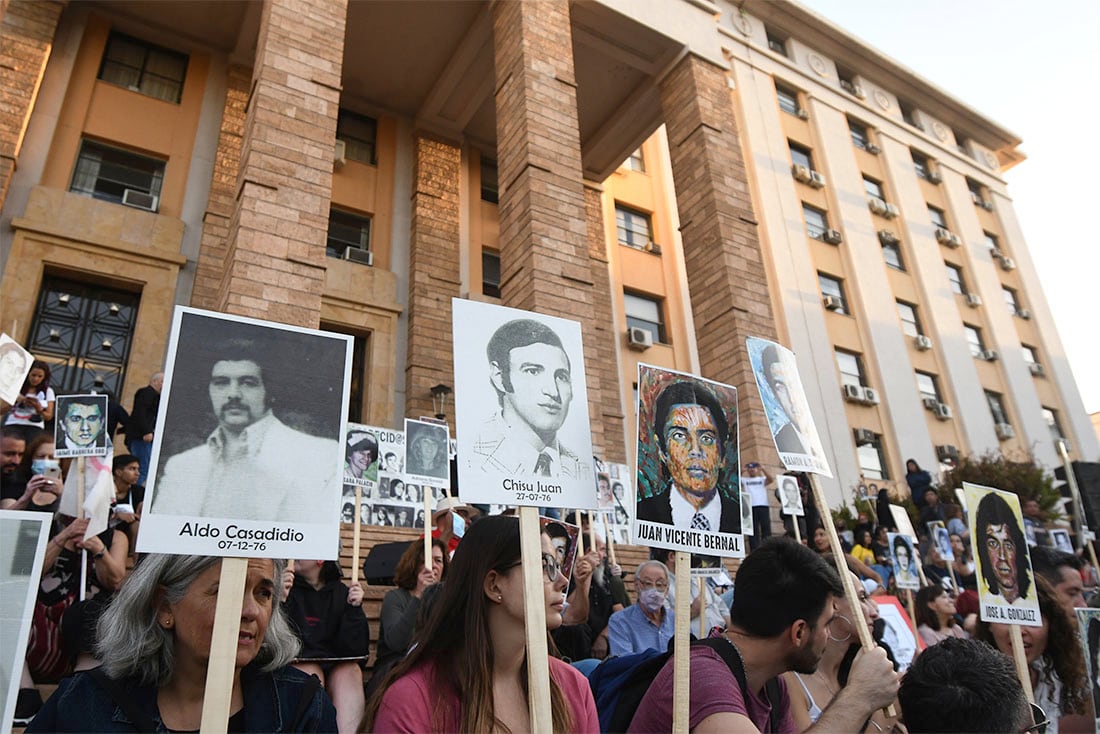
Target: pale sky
column 1032, row 69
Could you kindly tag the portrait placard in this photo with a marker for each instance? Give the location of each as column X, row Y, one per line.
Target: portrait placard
column 902, row 521
column 361, row 456
column 906, row 575
column 23, row 538
column 394, row 499
column 781, row 392
column 1061, row 540
column 15, row 365
column 249, row 449
column 688, row 493
column 81, row 426
column 521, row 413
column 1088, row 633
column 790, row 495
column 937, row 531
column 426, row 458
column 563, row 536
column 898, row 631
column 1006, row 583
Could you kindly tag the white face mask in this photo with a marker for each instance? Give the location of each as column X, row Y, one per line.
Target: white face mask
column 651, row 599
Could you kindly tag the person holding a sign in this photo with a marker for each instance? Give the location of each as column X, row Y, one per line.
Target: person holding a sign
column 467, row 669
column 154, row 643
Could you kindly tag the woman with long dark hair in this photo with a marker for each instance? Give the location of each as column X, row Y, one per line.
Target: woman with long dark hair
column 935, row 611
column 33, row 409
column 467, row 670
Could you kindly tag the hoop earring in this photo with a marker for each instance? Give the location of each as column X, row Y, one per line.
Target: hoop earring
column 850, row 630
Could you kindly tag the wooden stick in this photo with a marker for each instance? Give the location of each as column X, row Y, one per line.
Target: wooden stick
column 954, row 577
column 427, row 526
column 608, row 540
column 221, row 667
column 580, row 534
column 702, row 606
column 865, row 639
column 591, row 531
column 912, row 612
column 357, row 522
column 80, row 515
column 1075, row 493
column 1022, row 668
column 681, row 654
column 920, row 567
column 797, row 531
column 534, row 606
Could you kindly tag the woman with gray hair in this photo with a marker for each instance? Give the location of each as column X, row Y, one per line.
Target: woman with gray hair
column 154, row 641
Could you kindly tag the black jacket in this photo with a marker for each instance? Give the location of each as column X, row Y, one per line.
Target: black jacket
column 328, row 626
column 143, row 416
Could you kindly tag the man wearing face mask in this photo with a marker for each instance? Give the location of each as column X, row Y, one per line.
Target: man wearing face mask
column 649, row 624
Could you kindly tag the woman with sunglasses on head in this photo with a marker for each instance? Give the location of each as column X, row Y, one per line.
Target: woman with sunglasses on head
column 812, row 693
column 1058, row 673
column 467, row 670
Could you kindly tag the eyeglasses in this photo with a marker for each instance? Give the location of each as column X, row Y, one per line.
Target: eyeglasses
column 658, row 585
column 1040, row 718
column 550, row 567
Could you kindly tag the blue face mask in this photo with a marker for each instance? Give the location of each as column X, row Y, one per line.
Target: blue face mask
column 458, row 525
column 39, row 466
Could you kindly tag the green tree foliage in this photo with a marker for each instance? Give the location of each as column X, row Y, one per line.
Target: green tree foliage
column 1022, row 477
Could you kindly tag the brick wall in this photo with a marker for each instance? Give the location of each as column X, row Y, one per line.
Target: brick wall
column 26, row 37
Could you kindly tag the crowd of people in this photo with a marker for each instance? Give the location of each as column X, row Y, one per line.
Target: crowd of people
column 131, row 652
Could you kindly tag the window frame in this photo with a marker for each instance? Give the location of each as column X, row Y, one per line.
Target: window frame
column 657, row 328
column 809, row 209
column 1011, row 299
column 822, row 279
column 124, row 160
column 149, row 49
column 959, row 281
column 974, row 339
column 893, row 247
column 802, row 151
column 873, row 188
column 622, row 226
column 918, row 330
column 635, row 161
column 776, row 43
column 1050, row 416
column 933, row 382
column 350, row 217
column 937, row 216
column 489, row 181
column 489, row 287
column 849, row 376
column 1030, row 354
column 354, row 142
column 880, row 470
column 859, row 133
column 997, row 407
column 788, row 99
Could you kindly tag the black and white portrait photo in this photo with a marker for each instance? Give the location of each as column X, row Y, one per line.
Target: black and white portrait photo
column 15, row 363
column 81, row 426
column 360, row 455
column 426, row 458
column 790, row 495
column 522, row 409
column 254, row 430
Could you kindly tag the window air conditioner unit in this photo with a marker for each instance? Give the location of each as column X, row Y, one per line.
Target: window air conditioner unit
column 947, row 237
column 870, row 396
column 987, row 205
column 852, row 393
column 922, row 342
column 802, row 114
column 864, row 436
column 934, row 178
column 358, row 255
column 942, row 411
column 339, row 153
column 140, row 200
column 639, row 339
column 891, row 211
column 973, row 300
column 887, row 237
column 976, row 198
column 817, row 181
column 1008, row 263
column 872, row 149
column 1004, row 431
column 877, row 206
column 801, row 173
column 652, row 247
column 832, row 236
column 989, row 355
column 832, row 303
column 1023, row 313
column 931, row 403
column 947, row 454
column 1036, row 369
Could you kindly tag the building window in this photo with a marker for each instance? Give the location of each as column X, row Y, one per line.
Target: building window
column 977, row 194
column 996, row 407
column 910, row 321
column 921, row 164
column 991, row 242
column 833, row 287
column 851, row 368
column 1031, row 354
column 635, row 228
column 847, row 80
column 490, row 273
column 360, row 136
column 788, row 100
column 872, row 460
column 873, row 188
column 635, row 162
column 645, row 312
column 84, row 332
column 960, row 142
column 359, row 378
column 955, row 278
column 776, row 42
column 108, row 173
column 928, row 387
column 1011, row 300
column 974, row 339
column 816, row 221
column 937, row 216
column 1051, row 418
column 909, row 114
column 891, row 253
column 347, row 231
column 489, row 186
column 144, row 68
column 801, row 156
column 861, row 138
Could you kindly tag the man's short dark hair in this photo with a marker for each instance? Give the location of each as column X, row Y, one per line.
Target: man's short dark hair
column 122, row 461
column 1048, row 562
column 779, row 583
column 993, row 510
column 899, row 542
column 244, row 350
column 514, row 335
column 962, row 686
column 689, row 393
column 88, row 400
column 768, row 357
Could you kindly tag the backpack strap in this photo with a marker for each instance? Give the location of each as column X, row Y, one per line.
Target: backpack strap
column 732, row 658
column 137, row 715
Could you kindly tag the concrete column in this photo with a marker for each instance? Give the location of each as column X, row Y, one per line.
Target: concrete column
column 725, row 271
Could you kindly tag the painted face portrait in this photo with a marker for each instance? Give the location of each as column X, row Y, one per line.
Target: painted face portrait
column 82, row 424
column 237, row 393
column 539, row 387
column 1001, row 552
column 693, row 450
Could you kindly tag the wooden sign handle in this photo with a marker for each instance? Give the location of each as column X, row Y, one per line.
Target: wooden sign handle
column 580, row 534
column 427, row 527
column 610, row 541
column 591, row 531
column 223, row 647
column 702, row 607
column 797, row 530
column 534, row 606
column 681, row 655
column 357, row 522
column 909, row 602
column 80, row 464
column 1018, row 655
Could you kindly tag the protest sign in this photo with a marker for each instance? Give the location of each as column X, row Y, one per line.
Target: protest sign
column 81, row 426
column 426, row 459
column 248, row 454
column 904, row 557
column 898, row 631
column 790, row 496
column 1088, row 633
column 15, row 364
column 688, row 493
column 361, row 456
column 1061, row 540
column 23, row 538
column 939, row 536
column 1006, row 583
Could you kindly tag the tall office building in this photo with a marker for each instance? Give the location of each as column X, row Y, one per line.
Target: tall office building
column 676, row 176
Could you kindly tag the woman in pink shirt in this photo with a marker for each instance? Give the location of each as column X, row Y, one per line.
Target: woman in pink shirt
column 467, row 671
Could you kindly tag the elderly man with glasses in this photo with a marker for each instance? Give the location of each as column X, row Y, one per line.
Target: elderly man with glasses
column 649, row 624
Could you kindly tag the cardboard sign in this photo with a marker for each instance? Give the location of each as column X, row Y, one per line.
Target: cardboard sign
column 790, row 495
column 937, row 531
column 898, row 631
column 524, row 436
column 426, row 458
column 1061, row 540
column 392, row 499
column 81, row 426
column 792, row 425
column 616, row 504
column 688, row 494
column 1088, row 633
column 906, row 575
column 902, row 521
column 1006, row 583
column 15, row 365
column 249, row 448
column 361, row 456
